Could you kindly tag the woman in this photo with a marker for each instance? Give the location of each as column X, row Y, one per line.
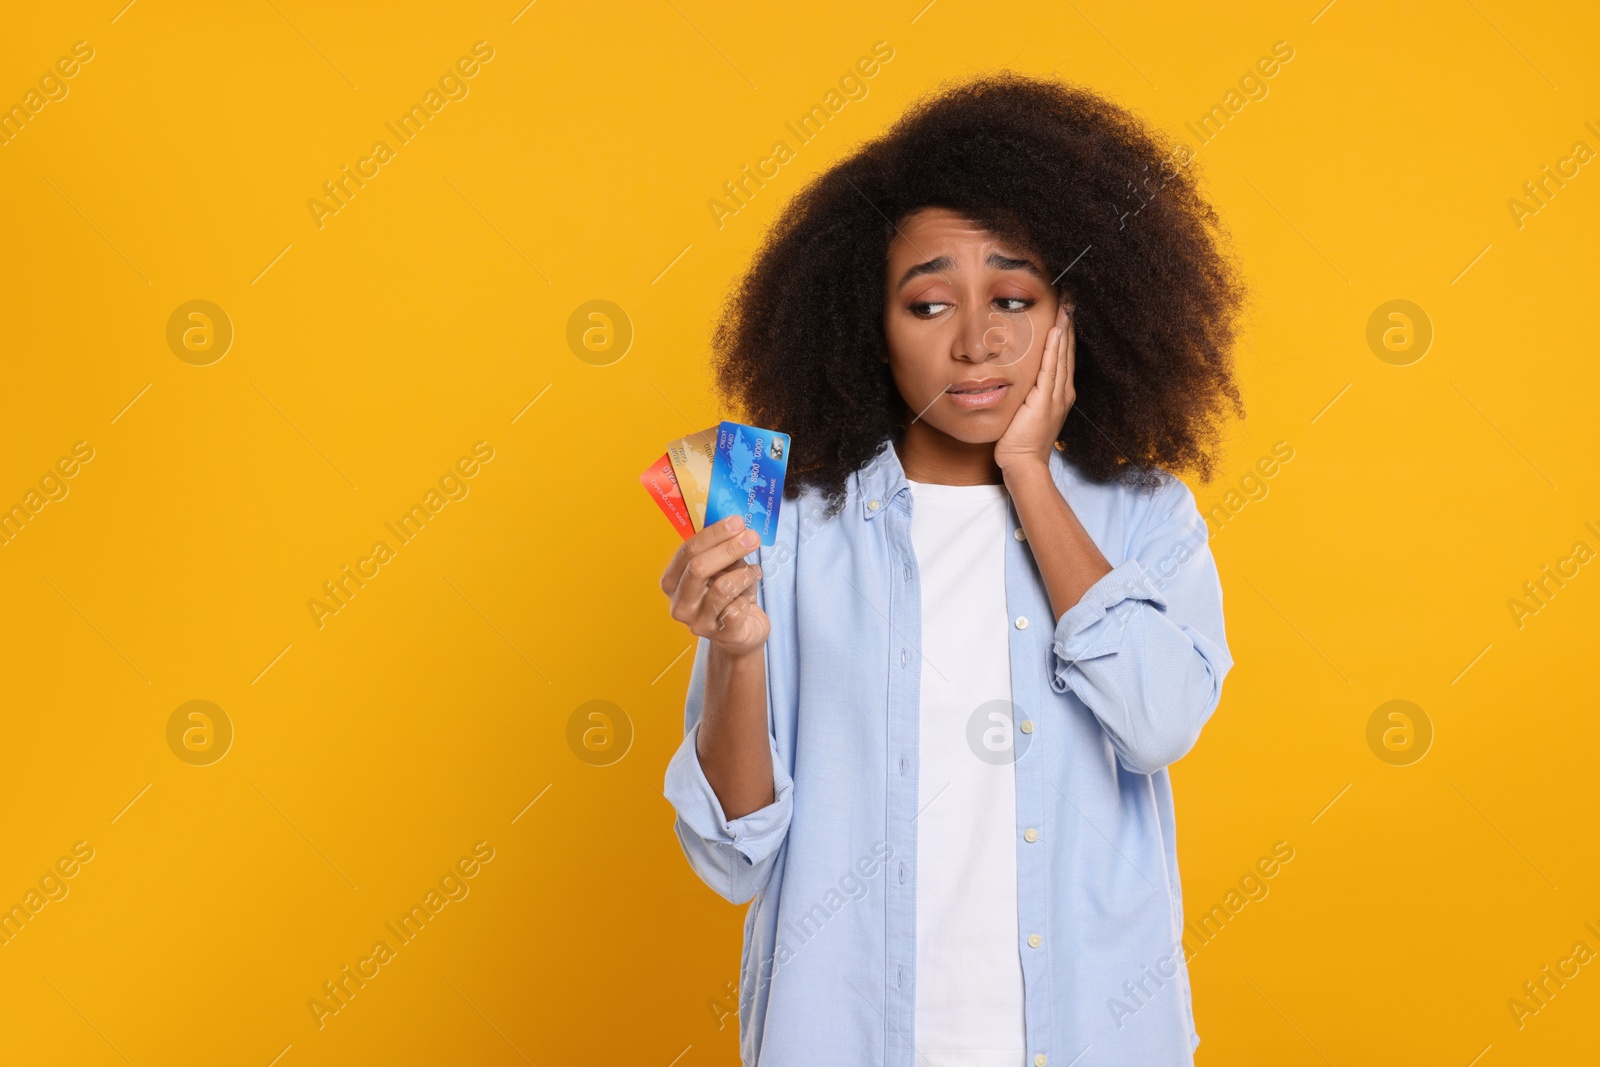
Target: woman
column 927, row 731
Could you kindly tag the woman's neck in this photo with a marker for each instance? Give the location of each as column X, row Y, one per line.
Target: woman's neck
column 930, row 456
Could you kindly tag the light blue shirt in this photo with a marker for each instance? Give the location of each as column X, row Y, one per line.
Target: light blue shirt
column 1118, row 688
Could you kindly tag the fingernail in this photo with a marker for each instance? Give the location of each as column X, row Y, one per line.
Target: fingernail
column 748, row 538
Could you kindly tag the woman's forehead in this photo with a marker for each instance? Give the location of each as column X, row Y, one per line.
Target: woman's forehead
column 941, row 236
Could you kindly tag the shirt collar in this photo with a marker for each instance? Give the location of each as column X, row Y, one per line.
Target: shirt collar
column 882, row 479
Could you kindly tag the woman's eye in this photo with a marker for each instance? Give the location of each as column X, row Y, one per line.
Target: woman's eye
column 925, row 309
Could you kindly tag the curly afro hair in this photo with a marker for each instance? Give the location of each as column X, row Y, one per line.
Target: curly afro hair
column 1062, row 172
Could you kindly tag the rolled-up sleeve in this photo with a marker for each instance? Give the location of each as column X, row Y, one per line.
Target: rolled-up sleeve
column 732, row 856
column 1145, row 648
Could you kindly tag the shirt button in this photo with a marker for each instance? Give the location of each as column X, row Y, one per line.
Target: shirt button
column 1027, row 726
column 872, row 505
column 908, row 572
column 902, row 765
column 1022, row 622
column 1039, row 1060
column 1030, row 835
column 1034, row 940
column 1018, row 534
column 902, row 657
column 902, row 874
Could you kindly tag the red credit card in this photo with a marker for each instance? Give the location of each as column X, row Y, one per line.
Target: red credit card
column 662, row 485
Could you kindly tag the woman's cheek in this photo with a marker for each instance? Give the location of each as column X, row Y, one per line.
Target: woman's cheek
column 1042, row 324
column 1021, row 340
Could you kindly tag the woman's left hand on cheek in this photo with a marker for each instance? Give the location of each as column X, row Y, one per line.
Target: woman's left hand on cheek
column 1037, row 423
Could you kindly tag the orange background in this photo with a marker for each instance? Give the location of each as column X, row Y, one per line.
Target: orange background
column 432, row 711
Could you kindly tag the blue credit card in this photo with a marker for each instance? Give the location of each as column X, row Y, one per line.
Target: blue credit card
column 747, row 472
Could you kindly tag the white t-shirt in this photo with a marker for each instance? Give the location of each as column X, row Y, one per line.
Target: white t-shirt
column 969, row 1009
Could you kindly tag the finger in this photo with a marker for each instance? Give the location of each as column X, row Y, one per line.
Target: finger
column 1070, row 353
column 722, row 534
column 730, row 587
column 737, row 607
column 735, row 611
column 733, row 614
column 1049, row 361
column 1054, row 356
column 736, row 583
column 698, row 543
column 1060, row 394
column 729, row 553
column 689, row 598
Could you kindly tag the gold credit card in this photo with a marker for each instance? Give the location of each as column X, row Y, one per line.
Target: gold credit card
column 691, row 462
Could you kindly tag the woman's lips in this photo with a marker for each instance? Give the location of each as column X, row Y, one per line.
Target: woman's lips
column 988, row 398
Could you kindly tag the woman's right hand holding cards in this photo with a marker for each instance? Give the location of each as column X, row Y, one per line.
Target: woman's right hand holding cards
column 713, row 591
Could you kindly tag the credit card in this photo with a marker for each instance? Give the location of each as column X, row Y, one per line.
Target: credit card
column 747, row 477
column 691, row 462
column 662, row 485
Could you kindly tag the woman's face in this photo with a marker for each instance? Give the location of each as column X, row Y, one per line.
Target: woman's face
column 964, row 308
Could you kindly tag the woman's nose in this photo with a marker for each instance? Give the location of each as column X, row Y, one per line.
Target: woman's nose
column 989, row 335
column 984, row 335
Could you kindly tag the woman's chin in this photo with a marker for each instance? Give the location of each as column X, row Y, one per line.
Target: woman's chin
column 976, row 427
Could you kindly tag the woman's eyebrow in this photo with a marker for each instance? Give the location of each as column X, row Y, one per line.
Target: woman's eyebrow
column 1007, row 263
column 943, row 263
